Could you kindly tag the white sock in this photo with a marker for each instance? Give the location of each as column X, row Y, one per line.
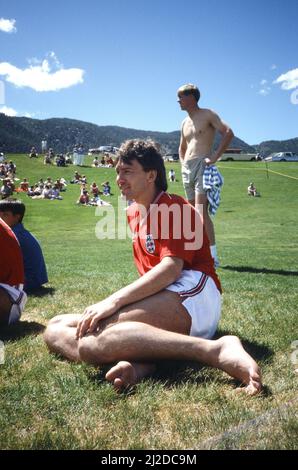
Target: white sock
column 213, row 251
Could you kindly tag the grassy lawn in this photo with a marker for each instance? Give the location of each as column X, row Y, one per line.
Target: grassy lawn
column 48, row 403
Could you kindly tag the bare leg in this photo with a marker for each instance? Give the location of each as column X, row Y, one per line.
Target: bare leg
column 135, row 341
column 201, row 203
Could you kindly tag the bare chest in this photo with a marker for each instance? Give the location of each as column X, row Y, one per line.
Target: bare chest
column 196, row 129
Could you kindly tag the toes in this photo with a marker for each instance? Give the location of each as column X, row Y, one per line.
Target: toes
column 112, row 374
column 118, row 384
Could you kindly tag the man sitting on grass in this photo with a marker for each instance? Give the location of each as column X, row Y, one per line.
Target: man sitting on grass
column 12, row 296
column 173, row 309
column 12, row 212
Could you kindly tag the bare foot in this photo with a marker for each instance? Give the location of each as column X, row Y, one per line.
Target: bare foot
column 233, row 359
column 126, row 374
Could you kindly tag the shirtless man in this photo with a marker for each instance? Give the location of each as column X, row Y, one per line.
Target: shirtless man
column 172, row 310
column 195, row 151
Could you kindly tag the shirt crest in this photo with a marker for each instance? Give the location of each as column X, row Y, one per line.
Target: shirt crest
column 149, row 243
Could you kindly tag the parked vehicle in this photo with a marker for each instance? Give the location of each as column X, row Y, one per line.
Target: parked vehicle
column 171, row 157
column 282, row 157
column 238, row 155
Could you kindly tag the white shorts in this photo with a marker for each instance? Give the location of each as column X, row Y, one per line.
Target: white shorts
column 18, row 298
column 202, row 300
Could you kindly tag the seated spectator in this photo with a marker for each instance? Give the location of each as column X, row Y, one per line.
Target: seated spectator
column 12, row 212
column 12, row 296
column 47, row 192
column 63, row 184
column 12, row 167
column 55, row 194
column 109, row 162
column 33, row 153
column 106, row 189
column 60, row 160
column 47, row 160
column 31, row 191
column 68, row 159
column 2, row 157
column 252, row 190
column 6, row 190
column 77, row 178
column 95, row 162
column 38, row 190
column 84, row 198
column 24, row 186
column 84, row 179
column 103, row 161
column 94, row 189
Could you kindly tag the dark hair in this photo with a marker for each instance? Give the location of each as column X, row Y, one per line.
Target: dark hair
column 14, row 206
column 190, row 89
column 147, row 154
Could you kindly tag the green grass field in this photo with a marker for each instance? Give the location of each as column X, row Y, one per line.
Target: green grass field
column 48, row 403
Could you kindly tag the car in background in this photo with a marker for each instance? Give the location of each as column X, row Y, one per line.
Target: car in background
column 238, row 155
column 282, row 157
column 171, row 157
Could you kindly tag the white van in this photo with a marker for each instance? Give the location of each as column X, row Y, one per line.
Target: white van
column 237, row 155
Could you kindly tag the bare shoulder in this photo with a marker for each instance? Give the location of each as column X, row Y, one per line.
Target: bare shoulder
column 210, row 113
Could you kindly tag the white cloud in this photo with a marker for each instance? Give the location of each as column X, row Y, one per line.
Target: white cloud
column 46, row 75
column 263, row 82
column 288, row 80
column 273, row 67
column 7, row 26
column 8, row 111
column 265, row 91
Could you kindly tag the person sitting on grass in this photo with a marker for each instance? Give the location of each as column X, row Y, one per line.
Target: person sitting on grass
column 12, row 212
column 12, row 296
column 84, row 198
column 106, row 188
column 94, row 189
column 6, row 189
column 172, row 310
column 95, row 162
column 252, row 190
column 24, row 185
column 77, row 178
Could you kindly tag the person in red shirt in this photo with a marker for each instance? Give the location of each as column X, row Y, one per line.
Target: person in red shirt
column 173, row 309
column 12, row 296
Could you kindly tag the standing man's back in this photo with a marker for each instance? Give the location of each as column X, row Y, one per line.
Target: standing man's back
column 197, row 137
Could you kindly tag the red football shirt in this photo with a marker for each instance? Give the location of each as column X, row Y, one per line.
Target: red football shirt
column 171, row 227
column 11, row 259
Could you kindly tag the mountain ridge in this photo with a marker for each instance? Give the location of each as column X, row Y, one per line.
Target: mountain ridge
column 19, row 134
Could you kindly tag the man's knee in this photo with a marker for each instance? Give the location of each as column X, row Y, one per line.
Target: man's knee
column 95, row 350
column 55, row 320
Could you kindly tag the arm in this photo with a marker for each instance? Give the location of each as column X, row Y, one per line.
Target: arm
column 182, row 145
column 226, row 137
column 155, row 280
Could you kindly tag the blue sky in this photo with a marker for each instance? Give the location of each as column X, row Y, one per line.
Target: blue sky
column 120, row 62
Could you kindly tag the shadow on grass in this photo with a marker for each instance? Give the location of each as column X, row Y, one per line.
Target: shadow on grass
column 41, row 292
column 250, row 269
column 20, row 330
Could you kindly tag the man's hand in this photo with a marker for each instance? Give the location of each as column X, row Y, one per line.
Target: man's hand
column 92, row 316
column 211, row 160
